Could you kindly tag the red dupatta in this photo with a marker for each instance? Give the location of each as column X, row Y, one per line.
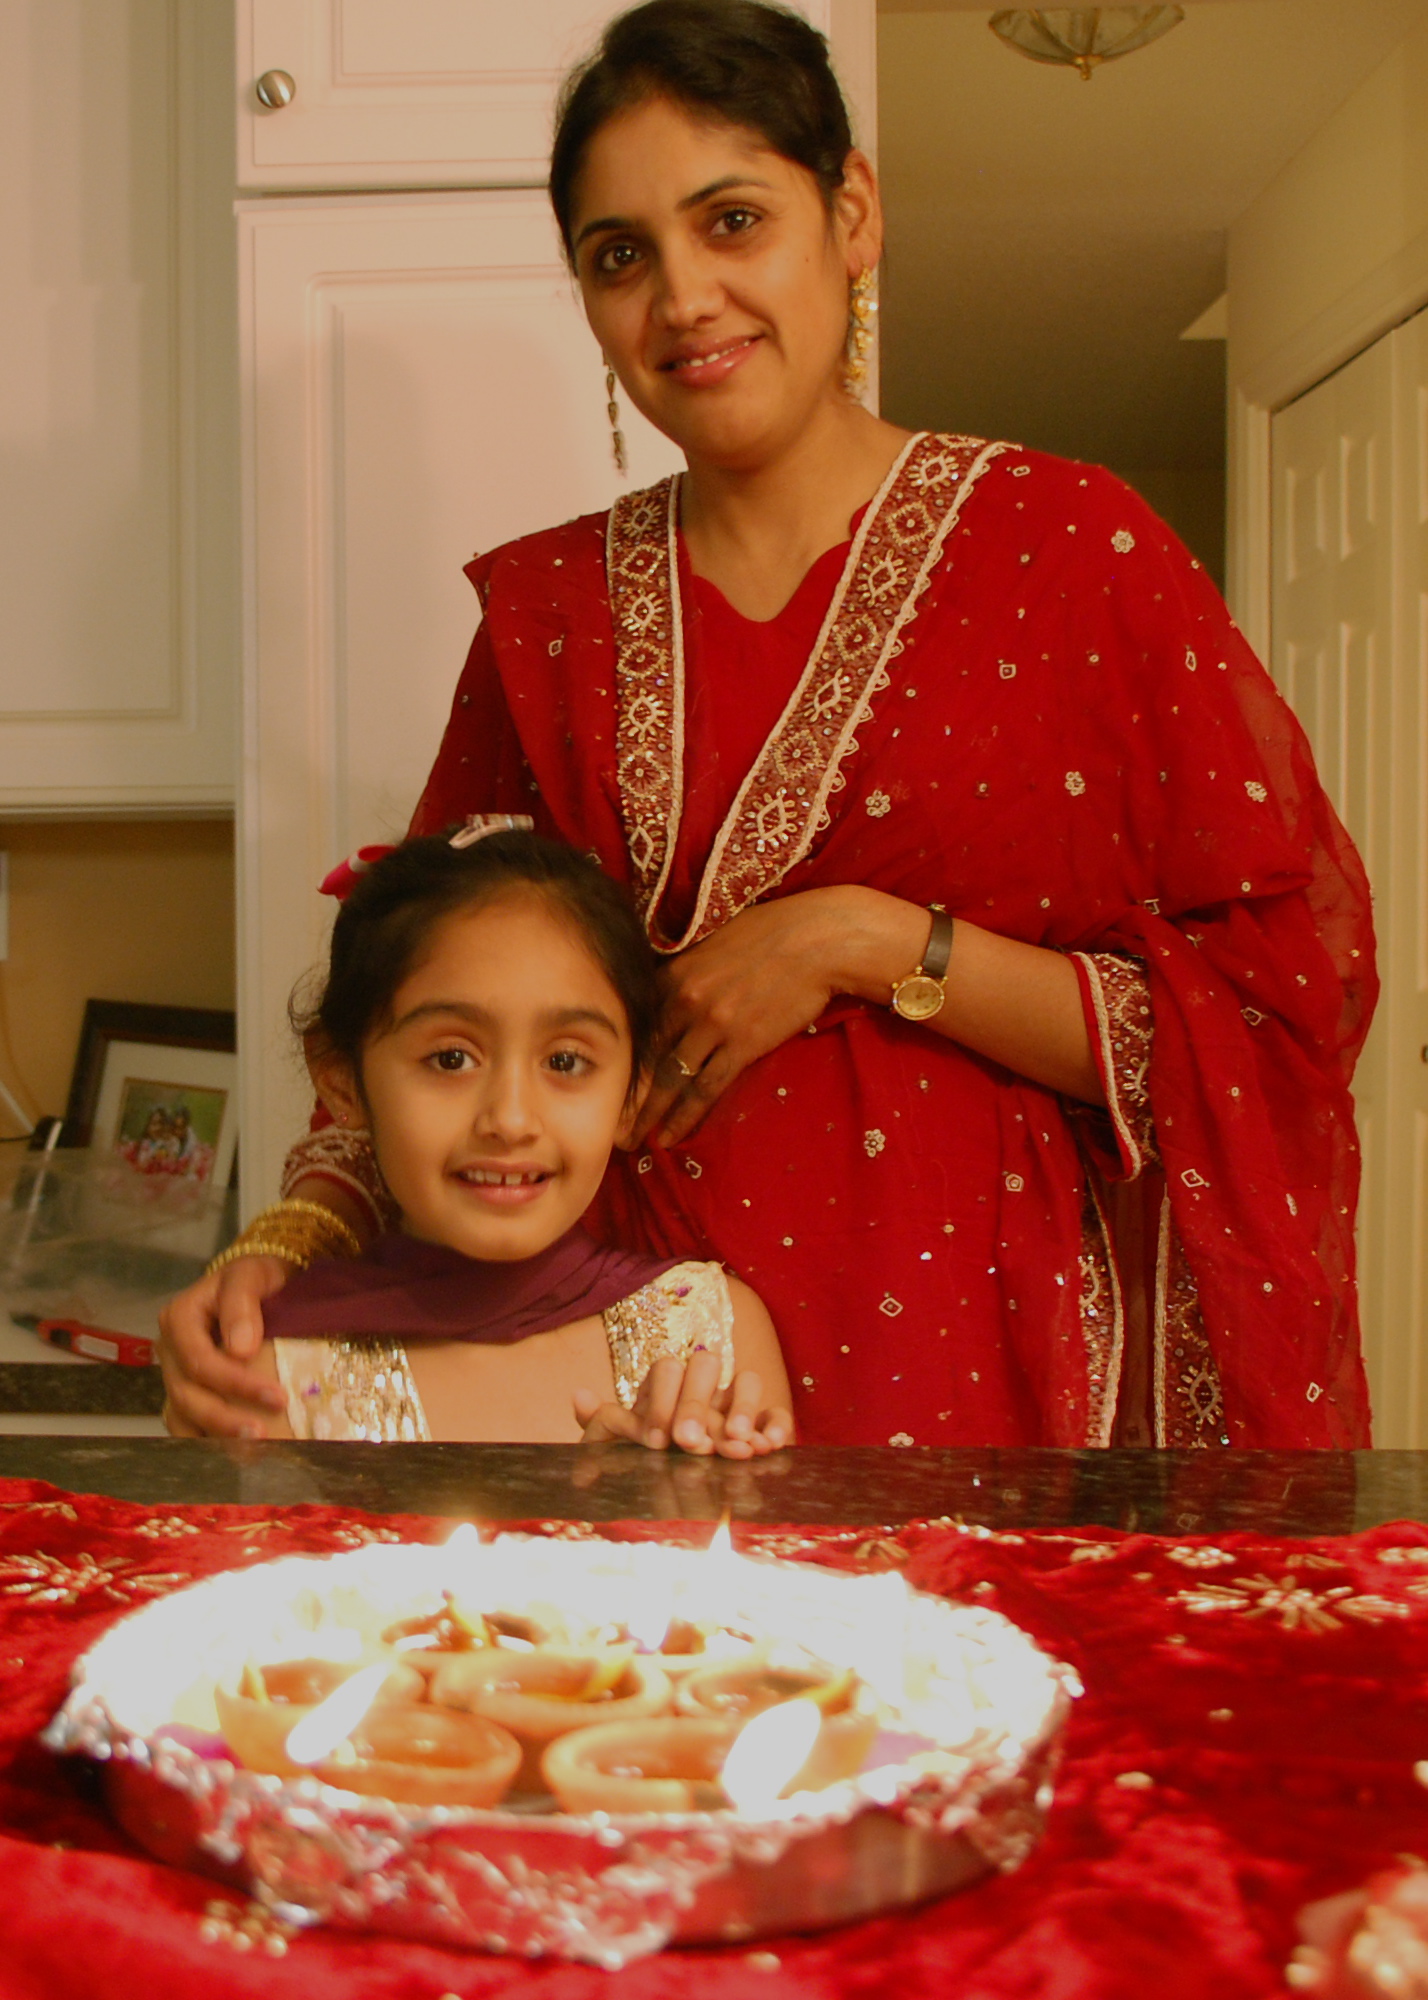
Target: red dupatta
column 1029, row 705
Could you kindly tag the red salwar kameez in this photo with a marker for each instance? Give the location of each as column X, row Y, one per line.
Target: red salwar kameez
column 1013, row 694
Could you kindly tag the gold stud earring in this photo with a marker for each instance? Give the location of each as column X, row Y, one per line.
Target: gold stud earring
column 862, row 318
column 612, row 411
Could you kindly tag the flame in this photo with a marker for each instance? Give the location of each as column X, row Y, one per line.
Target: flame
column 721, row 1542
column 333, row 1720
column 767, row 1752
column 464, row 1539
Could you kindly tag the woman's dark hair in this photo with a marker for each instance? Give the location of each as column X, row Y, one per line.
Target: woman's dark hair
column 740, row 61
column 383, row 927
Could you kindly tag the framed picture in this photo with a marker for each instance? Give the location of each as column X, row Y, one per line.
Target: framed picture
column 158, row 1086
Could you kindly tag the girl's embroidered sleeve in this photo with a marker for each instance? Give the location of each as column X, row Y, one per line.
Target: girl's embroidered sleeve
column 1116, row 996
column 686, row 1309
column 347, row 1160
column 350, row 1391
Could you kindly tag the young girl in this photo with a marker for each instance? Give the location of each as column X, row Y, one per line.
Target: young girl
column 488, row 1018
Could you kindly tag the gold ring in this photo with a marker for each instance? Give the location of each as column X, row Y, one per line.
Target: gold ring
column 682, row 1066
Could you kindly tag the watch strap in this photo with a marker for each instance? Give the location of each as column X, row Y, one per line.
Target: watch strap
column 938, row 954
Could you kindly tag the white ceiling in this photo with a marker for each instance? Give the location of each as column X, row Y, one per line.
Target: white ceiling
column 1050, row 239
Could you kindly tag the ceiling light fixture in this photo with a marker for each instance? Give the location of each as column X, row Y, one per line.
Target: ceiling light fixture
column 1083, row 37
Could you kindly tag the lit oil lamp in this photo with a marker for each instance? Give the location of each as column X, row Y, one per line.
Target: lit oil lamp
column 545, row 1693
column 679, row 1764
column 361, row 1738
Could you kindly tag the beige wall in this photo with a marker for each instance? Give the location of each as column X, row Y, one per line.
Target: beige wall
column 107, row 910
column 1348, row 204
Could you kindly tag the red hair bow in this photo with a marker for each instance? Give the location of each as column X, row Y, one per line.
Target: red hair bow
column 342, row 880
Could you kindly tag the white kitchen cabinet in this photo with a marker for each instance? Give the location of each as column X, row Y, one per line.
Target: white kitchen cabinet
column 118, row 571
column 426, row 93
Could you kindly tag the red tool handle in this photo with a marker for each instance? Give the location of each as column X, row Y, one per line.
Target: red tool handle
column 100, row 1343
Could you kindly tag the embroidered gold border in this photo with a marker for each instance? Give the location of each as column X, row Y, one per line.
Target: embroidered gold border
column 1099, row 1253
column 1108, row 1063
column 1162, row 1273
column 783, row 802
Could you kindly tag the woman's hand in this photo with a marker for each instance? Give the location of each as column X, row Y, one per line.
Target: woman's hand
column 767, row 975
column 208, row 1337
column 682, row 1404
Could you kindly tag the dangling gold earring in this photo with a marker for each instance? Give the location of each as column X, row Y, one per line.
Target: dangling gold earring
column 612, row 411
column 862, row 317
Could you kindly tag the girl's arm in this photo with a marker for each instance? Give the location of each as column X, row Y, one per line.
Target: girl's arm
column 681, row 1403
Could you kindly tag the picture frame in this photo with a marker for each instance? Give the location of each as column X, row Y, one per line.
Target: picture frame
column 158, row 1086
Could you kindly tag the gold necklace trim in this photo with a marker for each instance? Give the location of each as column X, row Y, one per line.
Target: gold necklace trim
column 783, row 803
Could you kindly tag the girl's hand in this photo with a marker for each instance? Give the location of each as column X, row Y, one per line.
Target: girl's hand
column 767, row 975
column 682, row 1404
column 208, row 1336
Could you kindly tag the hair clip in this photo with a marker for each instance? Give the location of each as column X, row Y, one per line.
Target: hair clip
column 478, row 825
column 342, row 880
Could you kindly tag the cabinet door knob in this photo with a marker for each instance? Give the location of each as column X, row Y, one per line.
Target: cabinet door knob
column 275, row 88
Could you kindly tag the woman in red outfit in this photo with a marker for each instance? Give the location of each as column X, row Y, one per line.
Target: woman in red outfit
column 1090, row 1176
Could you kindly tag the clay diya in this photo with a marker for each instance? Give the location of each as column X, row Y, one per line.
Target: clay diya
column 257, row 1720
column 546, row 1693
column 426, row 1756
column 744, row 1688
column 661, row 1764
column 389, row 1746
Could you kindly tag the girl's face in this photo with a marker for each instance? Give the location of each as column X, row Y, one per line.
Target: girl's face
column 715, row 279
column 500, row 1086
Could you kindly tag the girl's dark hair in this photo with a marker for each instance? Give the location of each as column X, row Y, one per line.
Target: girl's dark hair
column 383, row 926
column 749, row 64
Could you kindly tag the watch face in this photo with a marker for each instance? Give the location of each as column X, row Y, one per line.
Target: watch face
column 919, row 998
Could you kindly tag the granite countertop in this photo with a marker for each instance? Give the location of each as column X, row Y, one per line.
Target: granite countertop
column 1294, row 1493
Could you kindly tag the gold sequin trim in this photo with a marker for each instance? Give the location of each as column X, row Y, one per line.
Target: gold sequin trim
column 354, row 1390
column 686, row 1308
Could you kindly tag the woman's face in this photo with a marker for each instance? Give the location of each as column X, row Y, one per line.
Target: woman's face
column 497, row 1091
column 715, row 278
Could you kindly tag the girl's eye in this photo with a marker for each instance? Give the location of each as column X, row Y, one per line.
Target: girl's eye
column 570, row 1062
column 451, row 1061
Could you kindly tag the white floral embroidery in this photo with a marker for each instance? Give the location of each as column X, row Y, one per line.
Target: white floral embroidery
column 1007, row 669
column 1252, row 1015
column 901, row 1438
column 1014, row 1183
column 644, row 1163
column 879, row 805
column 1192, row 1179
column 891, row 1306
column 1190, row 660
column 1296, row 1608
column 1191, row 1557
column 1123, row 541
column 1075, row 784
column 1256, row 791
column 873, row 1142
column 556, row 648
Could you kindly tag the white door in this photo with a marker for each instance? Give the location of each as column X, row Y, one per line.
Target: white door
column 116, row 568
column 419, row 384
column 428, row 93
column 1349, row 658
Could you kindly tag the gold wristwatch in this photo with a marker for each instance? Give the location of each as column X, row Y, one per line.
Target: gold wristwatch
column 920, row 995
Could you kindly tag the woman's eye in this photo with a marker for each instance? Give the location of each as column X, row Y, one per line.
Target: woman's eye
column 735, row 221
column 452, row 1061
column 569, row 1062
column 616, row 258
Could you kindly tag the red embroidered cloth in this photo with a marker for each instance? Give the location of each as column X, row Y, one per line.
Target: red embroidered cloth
column 1253, row 1712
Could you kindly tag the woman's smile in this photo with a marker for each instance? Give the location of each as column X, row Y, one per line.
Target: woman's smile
column 699, row 367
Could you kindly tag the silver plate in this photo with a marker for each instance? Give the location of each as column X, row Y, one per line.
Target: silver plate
column 599, row 1888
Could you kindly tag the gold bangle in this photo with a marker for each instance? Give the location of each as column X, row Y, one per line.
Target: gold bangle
column 297, row 1231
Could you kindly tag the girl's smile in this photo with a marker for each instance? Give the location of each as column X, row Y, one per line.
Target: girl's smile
column 497, row 1089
